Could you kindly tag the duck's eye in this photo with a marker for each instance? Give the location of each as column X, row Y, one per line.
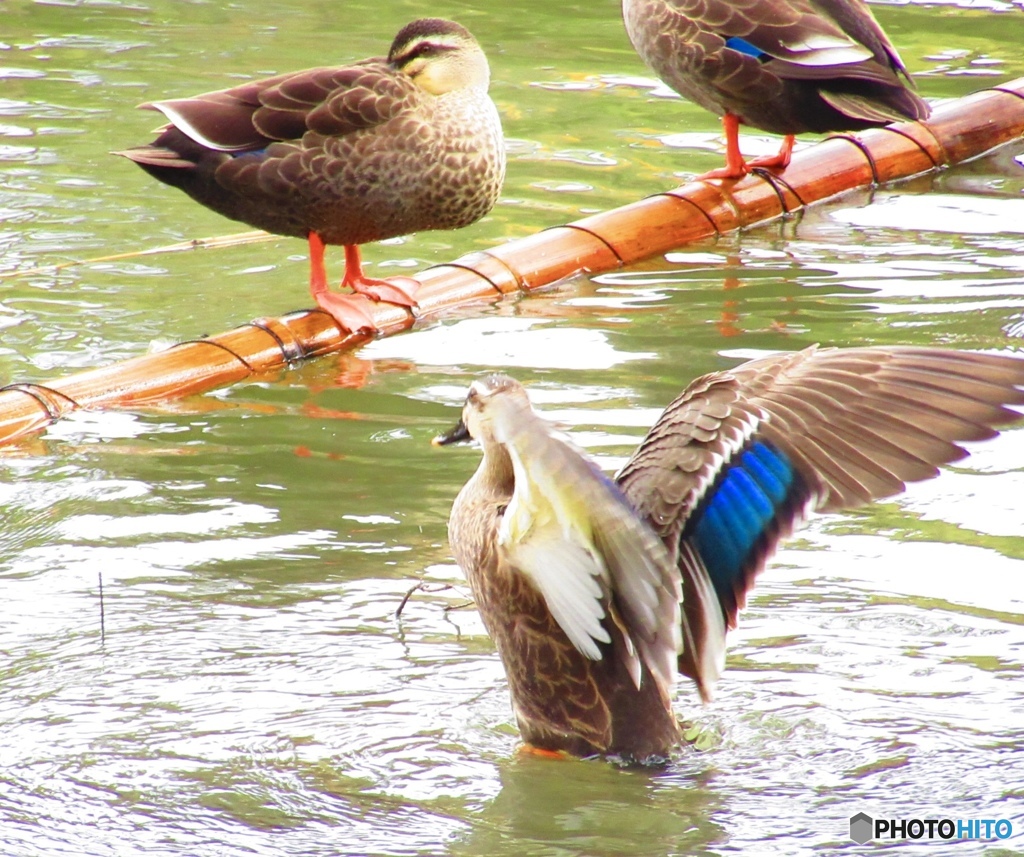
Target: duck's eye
column 428, row 50
column 425, row 50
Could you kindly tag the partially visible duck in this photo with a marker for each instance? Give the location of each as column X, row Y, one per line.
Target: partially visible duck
column 345, row 154
column 784, row 66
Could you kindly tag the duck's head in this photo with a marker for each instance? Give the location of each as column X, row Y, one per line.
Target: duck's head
column 496, row 407
column 440, row 56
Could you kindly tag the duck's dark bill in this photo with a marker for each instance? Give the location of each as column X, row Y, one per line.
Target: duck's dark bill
column 457, row 434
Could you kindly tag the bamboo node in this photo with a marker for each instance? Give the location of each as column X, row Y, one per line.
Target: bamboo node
column 936, row 151
column 578, row 225
column 496, row 271
column 54, row 402
column 1009, row 90
column 292, row 350
column 780, row 185
column 219, row 345
column 714, row 201
column 866, row 151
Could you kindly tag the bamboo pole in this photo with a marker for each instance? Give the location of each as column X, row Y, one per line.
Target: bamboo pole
column 956, row 131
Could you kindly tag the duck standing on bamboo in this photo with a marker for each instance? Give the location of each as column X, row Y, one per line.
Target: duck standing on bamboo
column 345, row 154
column 595, row 591
column 784, row 66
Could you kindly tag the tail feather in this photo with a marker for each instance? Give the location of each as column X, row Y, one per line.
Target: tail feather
column 156, row 156
column 873, row 109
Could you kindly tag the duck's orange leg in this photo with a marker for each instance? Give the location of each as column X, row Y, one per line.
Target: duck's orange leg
column 394, row 290
column 351, row 312
column 735, row 167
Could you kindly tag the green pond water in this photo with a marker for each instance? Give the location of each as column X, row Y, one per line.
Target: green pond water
column 255, row 693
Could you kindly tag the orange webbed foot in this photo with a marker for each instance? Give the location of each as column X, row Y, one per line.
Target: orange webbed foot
column 351, row 312
column 527, row 749
column 393, row 290
column 778, row 161
column 728, row 172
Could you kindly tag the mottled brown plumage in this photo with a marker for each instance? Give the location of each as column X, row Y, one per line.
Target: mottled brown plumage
column 345, row 155
column 730, row 468
column 785, row 66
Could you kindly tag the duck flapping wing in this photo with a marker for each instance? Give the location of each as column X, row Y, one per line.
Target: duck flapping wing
column 742, row 457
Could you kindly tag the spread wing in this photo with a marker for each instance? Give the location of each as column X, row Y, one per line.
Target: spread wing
column 741, row 457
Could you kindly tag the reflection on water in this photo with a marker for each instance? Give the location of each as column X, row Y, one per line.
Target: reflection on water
column 504, row 343
column 937, row 212
column 253, row 691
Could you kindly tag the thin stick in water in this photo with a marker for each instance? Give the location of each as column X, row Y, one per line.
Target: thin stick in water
column 103, row 617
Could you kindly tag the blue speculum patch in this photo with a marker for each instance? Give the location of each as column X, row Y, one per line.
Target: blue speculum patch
column 744, row 47
column 741, row 507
